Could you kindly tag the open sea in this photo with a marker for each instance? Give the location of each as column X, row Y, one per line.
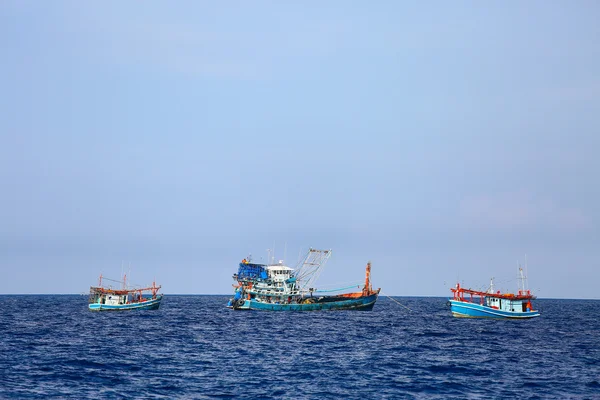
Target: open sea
column 193, row 347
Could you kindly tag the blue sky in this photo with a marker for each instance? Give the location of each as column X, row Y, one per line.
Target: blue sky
column 441, row 141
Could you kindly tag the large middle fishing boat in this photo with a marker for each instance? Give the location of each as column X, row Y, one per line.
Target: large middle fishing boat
column 492, row 303
column 103, row 298
column 277, row 287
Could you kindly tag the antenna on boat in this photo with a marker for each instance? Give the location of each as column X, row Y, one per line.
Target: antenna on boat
column 284, row 251
column 523, row 279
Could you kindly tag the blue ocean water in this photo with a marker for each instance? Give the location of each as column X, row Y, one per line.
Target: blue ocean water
column 193, row 347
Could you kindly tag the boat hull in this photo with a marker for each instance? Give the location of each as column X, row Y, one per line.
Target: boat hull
column 464, row 309
column 364, row 303
column 151, row 304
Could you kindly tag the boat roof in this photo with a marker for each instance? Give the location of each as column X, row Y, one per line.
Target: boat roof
column 521, row 295
column 279, row 268
column 99, row 289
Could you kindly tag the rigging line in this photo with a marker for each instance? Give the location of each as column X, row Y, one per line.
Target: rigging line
column 337, row 290
column 396, row 301
column 112, row 280
column 353, row 283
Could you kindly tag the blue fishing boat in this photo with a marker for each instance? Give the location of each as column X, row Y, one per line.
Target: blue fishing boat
column 277, row 287
column 469, row 303
column 109, row 299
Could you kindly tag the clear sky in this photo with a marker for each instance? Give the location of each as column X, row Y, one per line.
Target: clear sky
column 443, row 141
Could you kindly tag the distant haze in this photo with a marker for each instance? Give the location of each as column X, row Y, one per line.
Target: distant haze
column 444, row 141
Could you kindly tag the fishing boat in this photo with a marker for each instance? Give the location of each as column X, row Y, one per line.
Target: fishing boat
column 277, row 287
column 104, row 298
column 493, row 304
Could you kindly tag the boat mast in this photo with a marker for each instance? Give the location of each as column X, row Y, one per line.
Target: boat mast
column 491, row 289
column 154, row 289
column 368, row 289
column 523, row 279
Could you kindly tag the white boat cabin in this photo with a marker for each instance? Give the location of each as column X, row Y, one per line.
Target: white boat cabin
column 279, row 273
column 279, row 286
column 108, row 298
column 113, row 299
column 509, row 305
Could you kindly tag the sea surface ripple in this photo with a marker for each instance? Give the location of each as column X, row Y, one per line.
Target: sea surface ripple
column 193, row 347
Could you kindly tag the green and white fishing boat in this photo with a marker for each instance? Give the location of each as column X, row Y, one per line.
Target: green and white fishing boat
column 277, row 287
